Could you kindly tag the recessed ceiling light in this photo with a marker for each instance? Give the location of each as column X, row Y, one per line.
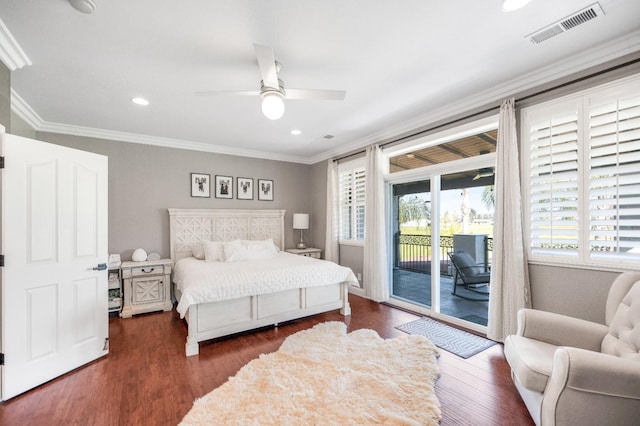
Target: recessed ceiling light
column 296, row 132
column 84, row 6
column 140, row 101
column 511, row 5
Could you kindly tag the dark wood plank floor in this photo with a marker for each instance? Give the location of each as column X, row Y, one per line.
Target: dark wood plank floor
column 147, row 380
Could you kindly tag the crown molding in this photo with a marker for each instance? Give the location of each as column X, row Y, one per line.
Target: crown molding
column 25, row 112
column 589, row 58
column 10, row 51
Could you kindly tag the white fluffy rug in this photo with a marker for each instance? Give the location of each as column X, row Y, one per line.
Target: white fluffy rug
column 325, row 376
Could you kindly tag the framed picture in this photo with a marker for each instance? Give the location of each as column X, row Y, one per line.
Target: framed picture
column 244, row 190
column 265, row 189
column 200, row 185
column 224, row 187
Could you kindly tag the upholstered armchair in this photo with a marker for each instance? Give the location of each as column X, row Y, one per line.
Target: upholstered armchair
column 575, row 372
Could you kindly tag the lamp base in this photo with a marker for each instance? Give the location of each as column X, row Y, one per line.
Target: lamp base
column 301, row 245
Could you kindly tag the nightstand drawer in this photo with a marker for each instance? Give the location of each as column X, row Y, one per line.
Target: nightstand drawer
column 143, row 271
column 316, row 253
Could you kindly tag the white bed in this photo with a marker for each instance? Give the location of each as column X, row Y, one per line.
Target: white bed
column 240, row 307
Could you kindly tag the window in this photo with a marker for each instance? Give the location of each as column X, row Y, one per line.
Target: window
column 584, row 176
column 351, row 178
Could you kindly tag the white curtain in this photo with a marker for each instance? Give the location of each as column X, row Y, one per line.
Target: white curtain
column 375, row 266
column 509, row 288
column 331, row 248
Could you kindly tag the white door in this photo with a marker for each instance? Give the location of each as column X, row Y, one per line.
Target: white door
column 54, row 232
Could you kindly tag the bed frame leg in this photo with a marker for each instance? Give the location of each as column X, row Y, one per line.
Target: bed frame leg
column 346, row 307
column 192, row 348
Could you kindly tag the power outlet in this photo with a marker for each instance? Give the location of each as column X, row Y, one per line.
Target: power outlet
column 359, row 276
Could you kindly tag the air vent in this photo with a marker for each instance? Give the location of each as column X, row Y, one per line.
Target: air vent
column 580, row 17
column 327, row 137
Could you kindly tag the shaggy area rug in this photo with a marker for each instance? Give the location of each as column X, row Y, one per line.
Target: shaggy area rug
column 325, row 376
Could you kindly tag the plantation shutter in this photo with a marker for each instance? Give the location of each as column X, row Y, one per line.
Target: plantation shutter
column 359, row 190
column 352, row 204
column 614, row 179
column 554, row 182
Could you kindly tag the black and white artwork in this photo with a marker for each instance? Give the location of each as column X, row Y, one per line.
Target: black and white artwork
column 200, row 185
column 224, row 187
column 265, row 190
column 244, row 188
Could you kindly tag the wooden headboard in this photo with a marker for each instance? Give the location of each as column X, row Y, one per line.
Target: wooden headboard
column 192, row 226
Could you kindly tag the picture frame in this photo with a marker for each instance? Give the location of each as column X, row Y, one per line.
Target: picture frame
column 244, row 188
column 200, row 185
column 224, row 186
column 265, row 189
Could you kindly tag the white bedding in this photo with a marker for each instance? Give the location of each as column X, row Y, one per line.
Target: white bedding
column 200, row 281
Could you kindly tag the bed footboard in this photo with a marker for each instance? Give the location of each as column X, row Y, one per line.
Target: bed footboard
column 217, row 319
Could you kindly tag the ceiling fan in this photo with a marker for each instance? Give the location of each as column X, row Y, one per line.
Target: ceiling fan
column 272, row 89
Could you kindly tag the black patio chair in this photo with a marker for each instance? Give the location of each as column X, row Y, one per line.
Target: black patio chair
column 473, row 276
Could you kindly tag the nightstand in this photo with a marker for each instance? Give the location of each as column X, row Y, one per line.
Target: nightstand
column 308, row 252
column 146, row 287
column 115, row 290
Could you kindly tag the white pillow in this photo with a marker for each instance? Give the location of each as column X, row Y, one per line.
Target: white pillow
column 214, row 251
column 198, row 251
column 268, row 243
column 238, row 251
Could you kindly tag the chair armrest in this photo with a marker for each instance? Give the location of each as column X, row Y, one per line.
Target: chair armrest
column 585, row 386
column 561, row 330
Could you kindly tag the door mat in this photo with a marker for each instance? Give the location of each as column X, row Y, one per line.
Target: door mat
column 450, row 339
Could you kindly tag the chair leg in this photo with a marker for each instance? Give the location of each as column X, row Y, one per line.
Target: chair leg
column 455, row 283
column 466, row 286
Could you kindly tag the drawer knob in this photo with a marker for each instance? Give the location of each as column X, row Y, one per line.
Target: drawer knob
column 147, row 272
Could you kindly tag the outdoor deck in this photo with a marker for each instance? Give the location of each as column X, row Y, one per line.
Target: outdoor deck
column 412, row 279
column 415, row 287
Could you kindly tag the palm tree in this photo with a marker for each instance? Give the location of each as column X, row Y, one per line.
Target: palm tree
column 489, row 197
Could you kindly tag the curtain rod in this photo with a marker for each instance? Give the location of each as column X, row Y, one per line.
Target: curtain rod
column 524, row 98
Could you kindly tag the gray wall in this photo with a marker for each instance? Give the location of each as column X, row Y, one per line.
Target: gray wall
column 145, row 180
column 319, row 203
column 580, row 293
column 5, row 97
column 20, row 127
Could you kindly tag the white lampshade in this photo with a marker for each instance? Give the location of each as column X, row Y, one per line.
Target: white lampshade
column 273, row 105
column 300, row 221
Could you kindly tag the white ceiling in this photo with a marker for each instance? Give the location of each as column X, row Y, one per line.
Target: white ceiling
column 402, row 63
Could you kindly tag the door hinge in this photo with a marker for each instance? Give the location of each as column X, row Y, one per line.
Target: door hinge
column 1, row 162
column 1, row 359
column 1, row 260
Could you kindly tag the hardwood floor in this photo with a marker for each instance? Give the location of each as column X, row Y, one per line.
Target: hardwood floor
column 147, row 380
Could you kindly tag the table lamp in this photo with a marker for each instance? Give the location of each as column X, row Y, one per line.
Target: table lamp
column 301, row 221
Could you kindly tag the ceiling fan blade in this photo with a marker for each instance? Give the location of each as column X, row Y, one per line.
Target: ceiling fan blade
column 228, row 93
column 323, row 95
column 267, row 64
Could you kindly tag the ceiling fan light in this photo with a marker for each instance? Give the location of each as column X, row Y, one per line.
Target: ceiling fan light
column 273, row 105
column 511, row 5
column 484, row 173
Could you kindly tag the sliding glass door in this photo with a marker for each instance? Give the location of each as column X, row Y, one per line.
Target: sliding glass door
column 442, row 232
column 466, row 237
column 411, row 280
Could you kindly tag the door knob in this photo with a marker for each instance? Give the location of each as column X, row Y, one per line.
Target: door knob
column 100, row 267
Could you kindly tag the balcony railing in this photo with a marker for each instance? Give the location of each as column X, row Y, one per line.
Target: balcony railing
column 414, row 252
